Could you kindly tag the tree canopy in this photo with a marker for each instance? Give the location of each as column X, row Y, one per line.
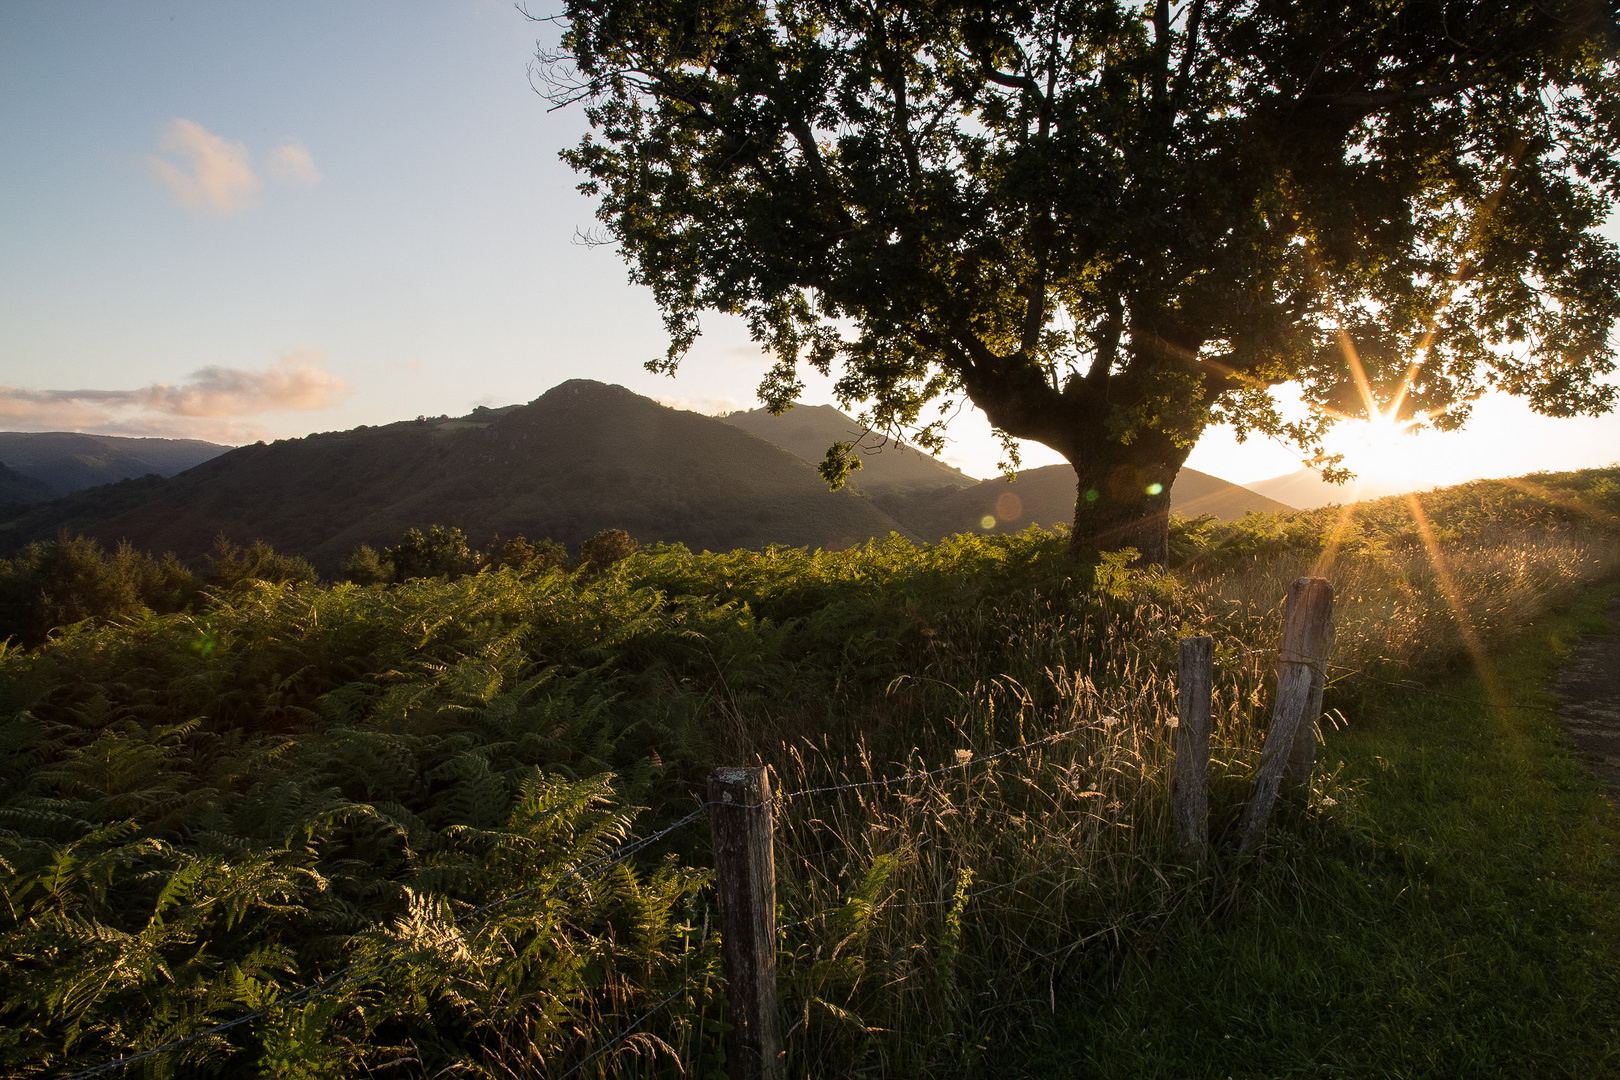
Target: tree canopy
column 1112, row 224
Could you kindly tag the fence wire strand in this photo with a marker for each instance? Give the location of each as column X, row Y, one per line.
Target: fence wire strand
column 880, row 908
column 591, row 871
column 637, row 1022
column 1404, row 684
column 968, row 764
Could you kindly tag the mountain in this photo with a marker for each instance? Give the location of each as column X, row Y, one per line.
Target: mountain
column 18, row 490
column 1046, row 496
column 581, row 458
column 66, row 461
column 1306, row 489
column 934, row 500
column 886, row 465
column 1196, row 493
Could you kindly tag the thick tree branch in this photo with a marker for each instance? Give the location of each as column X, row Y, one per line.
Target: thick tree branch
column 1379, row 100
column 1011, row 82
column 1189, row 52
column 1107, row 342
column 826, row 186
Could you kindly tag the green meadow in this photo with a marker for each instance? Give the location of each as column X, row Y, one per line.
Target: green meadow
column 387, row 823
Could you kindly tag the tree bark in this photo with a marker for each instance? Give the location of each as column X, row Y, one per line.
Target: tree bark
column 1122, row 497
column 1122, row 500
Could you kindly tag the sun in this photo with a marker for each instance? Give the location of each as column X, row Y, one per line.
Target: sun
column 1380, row 446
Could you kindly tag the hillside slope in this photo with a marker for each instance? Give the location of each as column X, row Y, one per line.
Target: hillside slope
column 68, row 461
column 1306, row 489
column 583, row 457
column 19, row 490
column 886, row 466
column 1045, row 496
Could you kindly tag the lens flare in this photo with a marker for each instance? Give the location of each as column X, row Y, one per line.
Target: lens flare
column 1454, row 599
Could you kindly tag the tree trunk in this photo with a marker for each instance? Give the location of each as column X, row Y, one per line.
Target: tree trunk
column 1124, row 463
column 1123, row 500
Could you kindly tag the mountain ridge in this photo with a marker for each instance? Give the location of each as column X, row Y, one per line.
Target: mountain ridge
column 1306, row 489
column 1046, row 496
column 67, row 461
column 886, row 464
column 580, row 458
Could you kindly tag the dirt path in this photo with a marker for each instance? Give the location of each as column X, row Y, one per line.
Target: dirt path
column 1590, row 689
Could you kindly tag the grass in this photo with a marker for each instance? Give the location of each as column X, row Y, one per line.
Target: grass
column 202, row 812
column 1465, row 922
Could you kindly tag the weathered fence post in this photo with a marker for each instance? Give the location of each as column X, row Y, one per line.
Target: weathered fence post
column 1303, row 756
column 1307, row 637
column 745, row 869
column 1189, row 785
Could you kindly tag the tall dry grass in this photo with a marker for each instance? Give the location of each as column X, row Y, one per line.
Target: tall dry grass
column 935, row 917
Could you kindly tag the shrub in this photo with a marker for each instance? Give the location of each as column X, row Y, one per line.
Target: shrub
column 59, row 582
column 521, row 555
column 606, row 548
column 230, row 567
column 366, row 567
column 204, row 811
column 441, row 552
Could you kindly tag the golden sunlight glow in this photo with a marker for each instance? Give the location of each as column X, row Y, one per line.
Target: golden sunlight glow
column 1376, row 447
column 1330, row 550
column 1454, row 599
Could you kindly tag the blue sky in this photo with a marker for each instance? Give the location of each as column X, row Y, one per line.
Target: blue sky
column 236, row 221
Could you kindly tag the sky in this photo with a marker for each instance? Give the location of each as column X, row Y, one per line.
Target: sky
column 237, row 222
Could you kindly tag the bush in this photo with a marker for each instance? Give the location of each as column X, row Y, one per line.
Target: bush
column 441, row 552
column 606, row 548
column 525, row 557
column 366, row 567
column 59, row 582
column 231, row 568
column 205, row 811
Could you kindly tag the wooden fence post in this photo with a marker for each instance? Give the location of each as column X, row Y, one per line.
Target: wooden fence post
column 1306, row 638
column 1189, row 786
column 745, row 869
column 1303, row 756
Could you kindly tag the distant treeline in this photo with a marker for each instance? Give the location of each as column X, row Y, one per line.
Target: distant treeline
column 70, row 579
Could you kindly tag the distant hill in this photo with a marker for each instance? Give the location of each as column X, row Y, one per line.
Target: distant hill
column 583, row 457
column 1306, row 489
column 19, row 490
column 886, row 465
column 66, row 461
column 1046, row 496
column 934, row 500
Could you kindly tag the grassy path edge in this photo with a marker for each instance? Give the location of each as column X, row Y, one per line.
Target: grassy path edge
column 1456, row 913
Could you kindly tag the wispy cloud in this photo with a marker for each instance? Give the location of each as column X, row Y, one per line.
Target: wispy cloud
column 290, row 163
column 211, row 403
column 204, row 171
column 212, row 174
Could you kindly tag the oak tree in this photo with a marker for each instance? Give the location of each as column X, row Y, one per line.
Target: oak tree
column 1111, row 224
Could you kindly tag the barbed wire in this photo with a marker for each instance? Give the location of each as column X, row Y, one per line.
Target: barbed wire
column 966, row 764
column 588, row 872
column 1403, row 684
column 579, row 876
column 637, row 1022
column 911, row 903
